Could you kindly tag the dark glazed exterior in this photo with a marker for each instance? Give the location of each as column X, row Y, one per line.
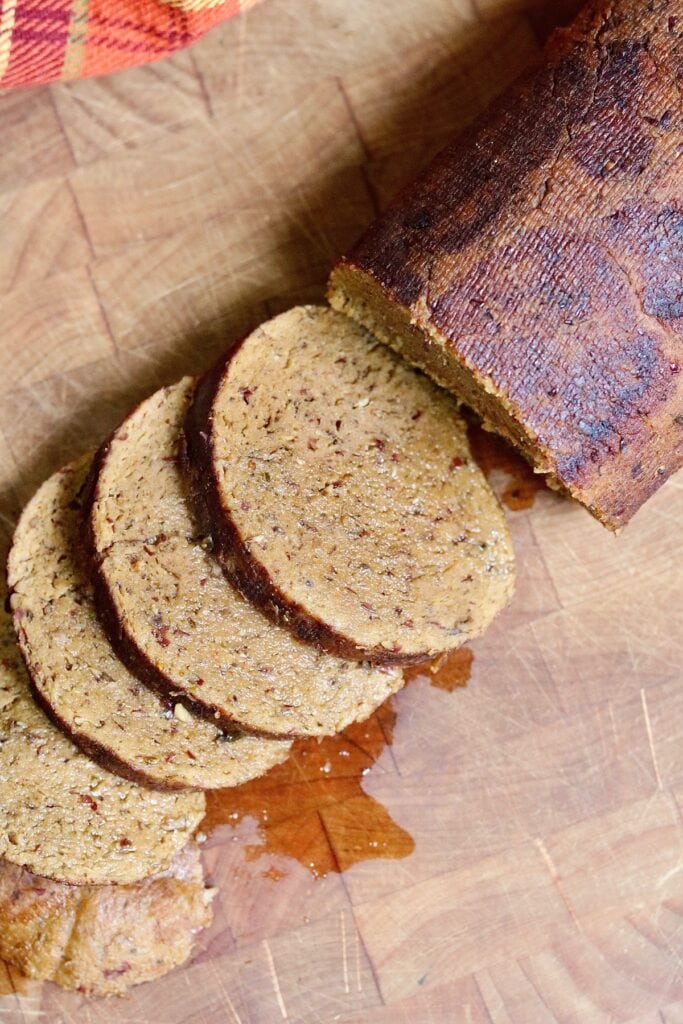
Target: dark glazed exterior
column 536, row 268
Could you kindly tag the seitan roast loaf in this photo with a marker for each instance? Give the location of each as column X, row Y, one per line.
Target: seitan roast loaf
column 103, row 939
column 536, row 268
column 176, row 619
column 77, row 678
column 61, row 815
column 340, row 493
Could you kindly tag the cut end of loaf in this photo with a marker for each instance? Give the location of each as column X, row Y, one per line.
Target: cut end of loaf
column 359, row 296
column 611, row 480
column 535, row 268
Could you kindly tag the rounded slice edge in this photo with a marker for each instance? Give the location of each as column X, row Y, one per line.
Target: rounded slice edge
column 79, row 681
column 339, row 489
column 64, row 817
column 178, row 622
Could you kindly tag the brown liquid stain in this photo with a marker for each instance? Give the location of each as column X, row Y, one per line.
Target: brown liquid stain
column 11, row 981
column 6, row 987
column 313, row 808
column 491, row 453
column 450, row 672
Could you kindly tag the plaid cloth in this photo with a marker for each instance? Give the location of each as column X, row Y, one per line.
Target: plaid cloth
column 53, row 40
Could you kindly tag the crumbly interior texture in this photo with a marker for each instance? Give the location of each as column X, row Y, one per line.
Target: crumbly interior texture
column 343, row 491
column 536, row 267
column 167, row 599
column 102, row 940
column 106, row 710
column 64, row 817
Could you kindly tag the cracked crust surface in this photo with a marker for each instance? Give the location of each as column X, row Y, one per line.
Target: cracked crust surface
column 536, row 268
column 64, row 817
column 340, row 492
column 172, row 613
column 80, row 682
column 102, row 939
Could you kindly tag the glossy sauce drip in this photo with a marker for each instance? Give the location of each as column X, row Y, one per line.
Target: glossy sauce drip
column 449, row 673
column 492, row 453
column 313, row 808
column 11, row 981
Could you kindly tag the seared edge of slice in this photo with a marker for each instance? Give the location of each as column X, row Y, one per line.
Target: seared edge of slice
column 175, row 619
column 250, row 578
column 251, row 572
column 64, row 817
column 107, row 711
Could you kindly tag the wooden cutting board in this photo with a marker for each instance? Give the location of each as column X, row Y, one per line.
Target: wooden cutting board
column 505, row 851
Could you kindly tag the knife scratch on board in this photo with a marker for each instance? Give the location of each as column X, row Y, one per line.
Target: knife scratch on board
column 224, row 992
column 648, row 728
column 344, row 954
column 276, row 981
column 557, row 881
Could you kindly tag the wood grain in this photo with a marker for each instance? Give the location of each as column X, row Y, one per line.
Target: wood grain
column 535, row 814
column 46, row 234
column 34, row 146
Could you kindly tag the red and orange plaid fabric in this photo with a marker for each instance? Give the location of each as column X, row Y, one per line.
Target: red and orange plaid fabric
column 51, row 40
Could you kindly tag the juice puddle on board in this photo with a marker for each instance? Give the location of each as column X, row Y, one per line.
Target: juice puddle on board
column 11, row 981
column 449, row 673
column 313, row 807
column 491, row 453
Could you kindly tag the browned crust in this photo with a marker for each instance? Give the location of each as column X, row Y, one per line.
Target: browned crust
column 537, row 260
column 97, row 752
column 137, row 662
column 120, row 638
column 250, row 578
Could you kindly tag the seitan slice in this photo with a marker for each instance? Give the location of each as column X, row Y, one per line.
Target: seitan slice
column 80, row 682
column 536, row 268
column 341, row 494
column 64, row 817
column 176, row 619
column 103, row 939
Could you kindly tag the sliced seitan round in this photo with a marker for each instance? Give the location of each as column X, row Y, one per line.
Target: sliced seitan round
column 64, row 817
column 79, row 680
column 103, row 939
column 340, row 492
column 174, row 617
